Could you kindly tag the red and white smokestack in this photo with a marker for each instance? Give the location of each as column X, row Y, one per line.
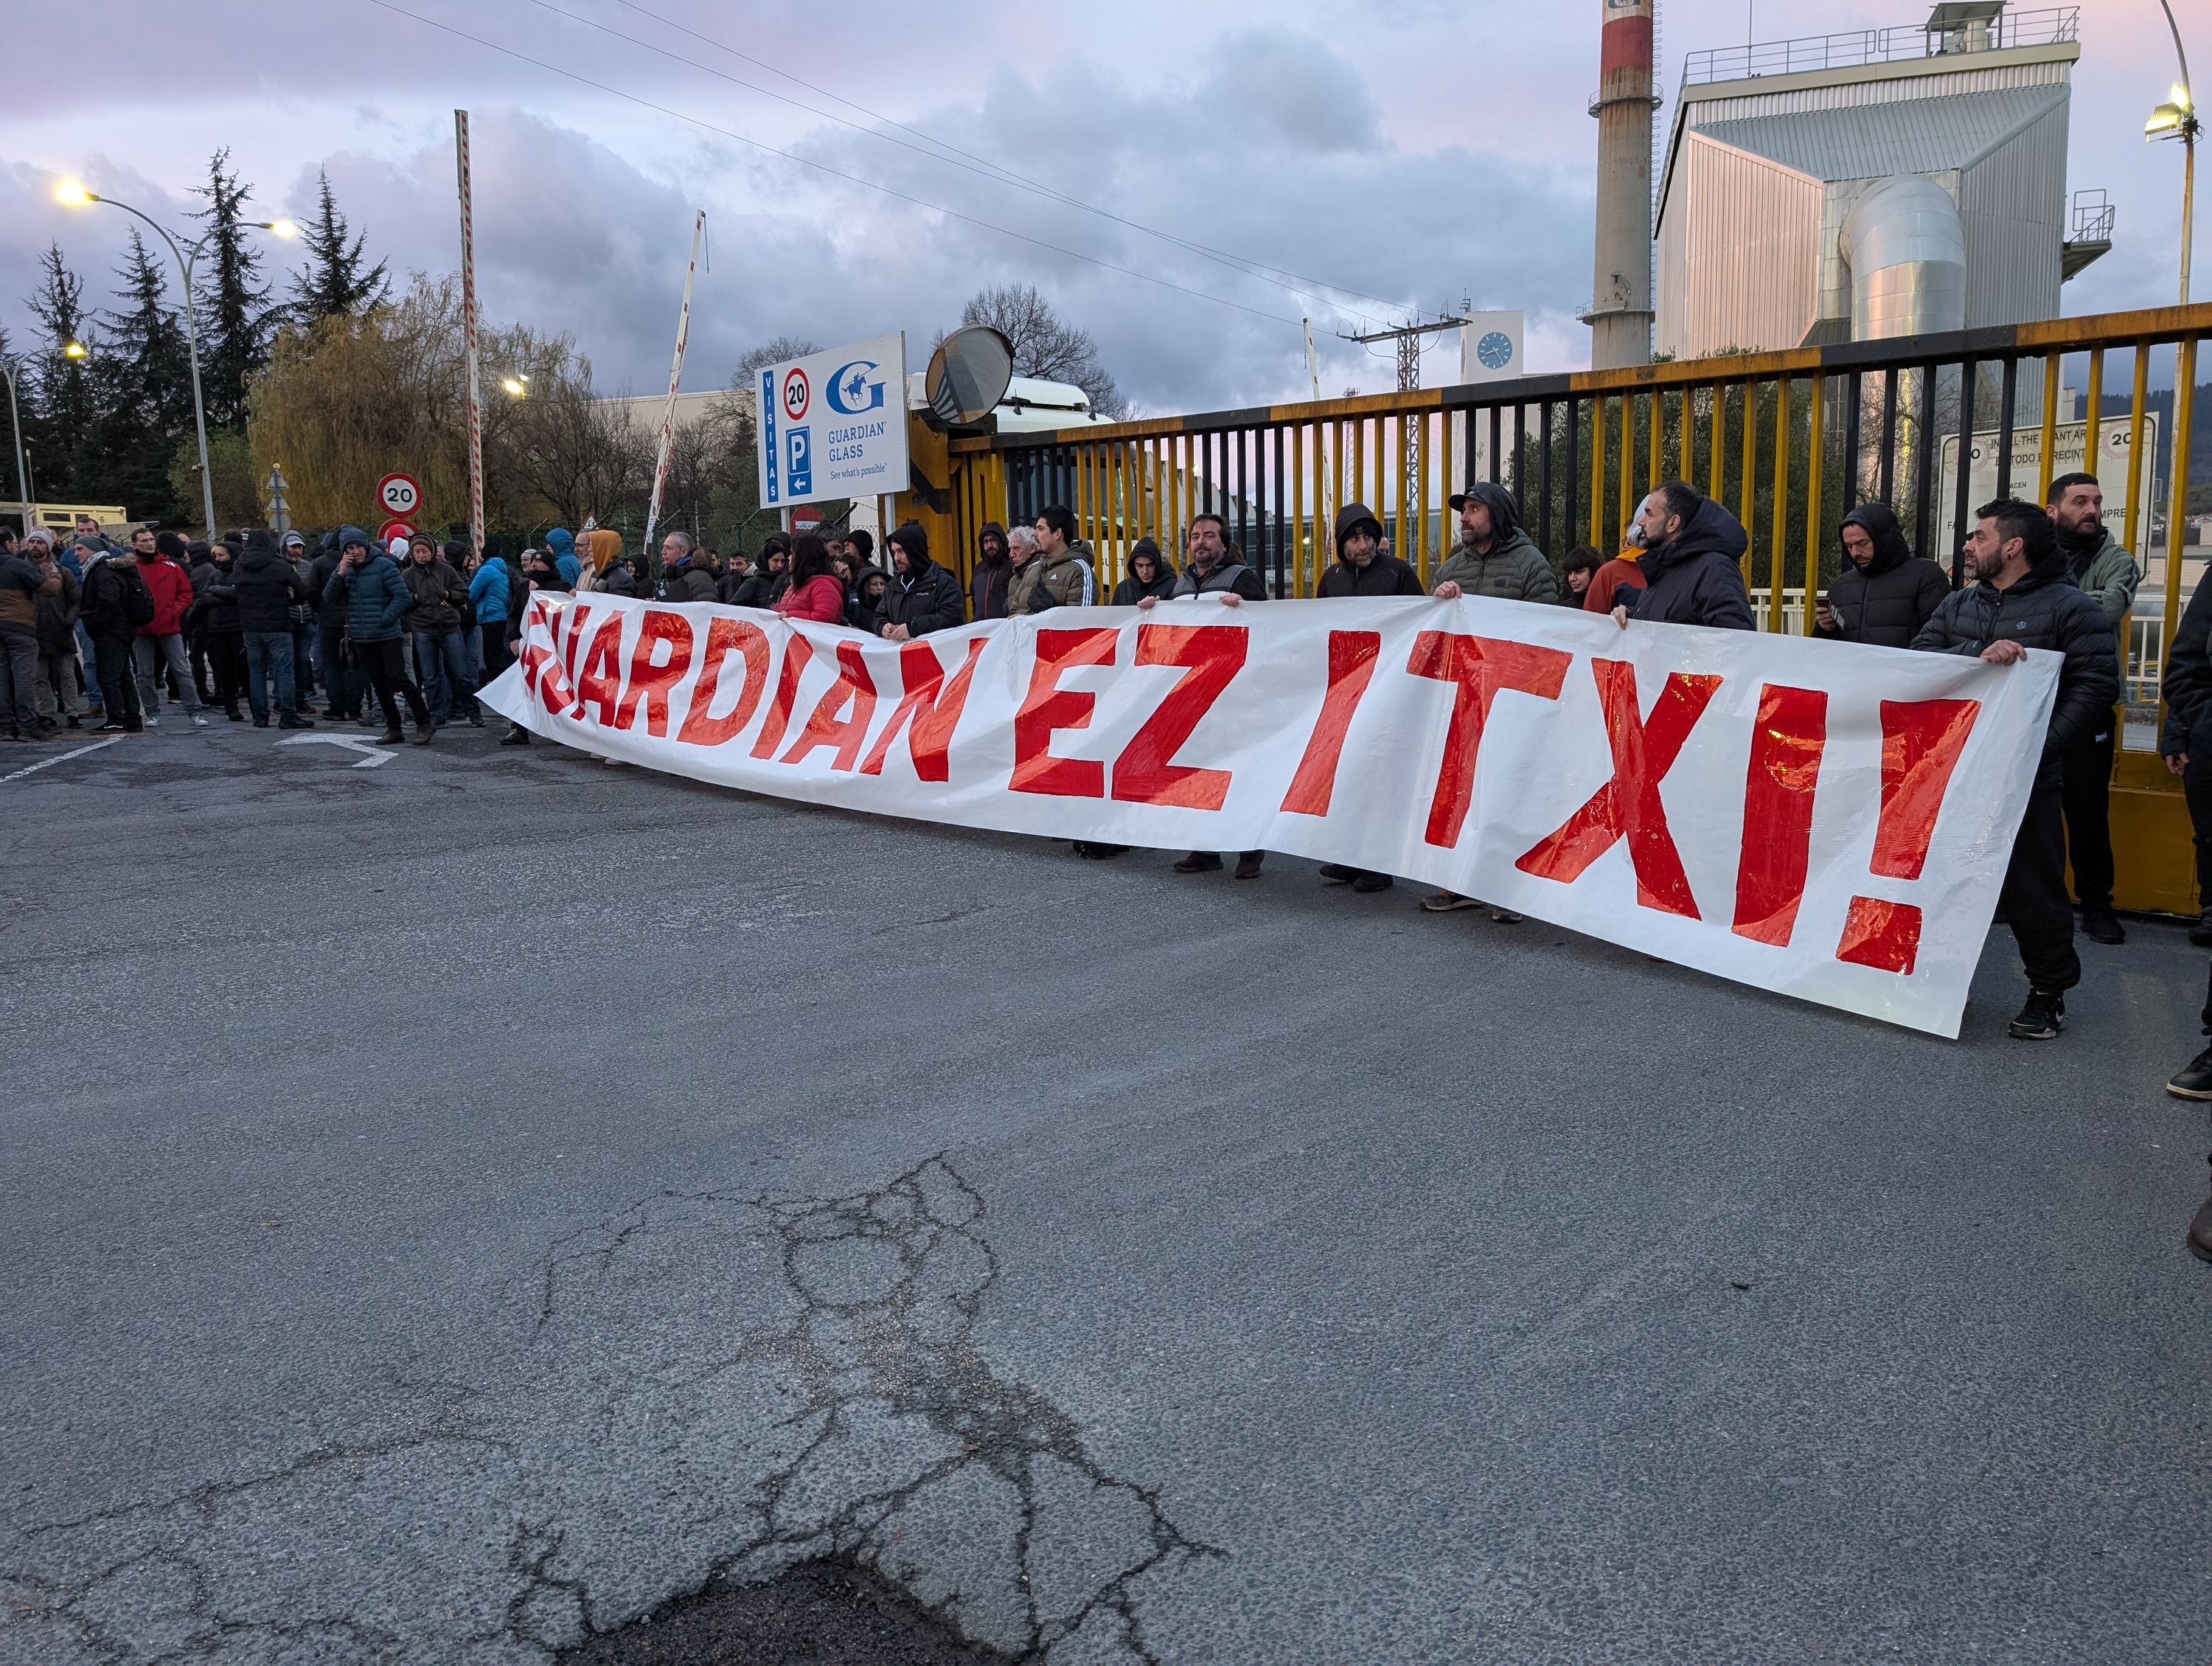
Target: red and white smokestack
column 1620, row 316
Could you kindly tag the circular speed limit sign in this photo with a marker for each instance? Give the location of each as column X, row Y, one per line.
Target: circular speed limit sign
column 795, row 393
column 398, row 495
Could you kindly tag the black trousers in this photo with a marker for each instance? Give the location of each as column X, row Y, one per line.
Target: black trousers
column 2034, row 896
column 118, row 679
column 341, row 682
column 2197, row 788
column 2087, row 797
column 226, row 651
column 384, row 664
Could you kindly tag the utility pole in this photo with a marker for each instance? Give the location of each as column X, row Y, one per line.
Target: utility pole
column 1408, row 338
column 469, row 334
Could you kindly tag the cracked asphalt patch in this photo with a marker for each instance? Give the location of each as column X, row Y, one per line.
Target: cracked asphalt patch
column 497, row 1209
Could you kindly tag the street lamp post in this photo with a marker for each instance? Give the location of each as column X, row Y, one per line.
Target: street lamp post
column 12, row 365
column 74, row 195
column 2178, row 120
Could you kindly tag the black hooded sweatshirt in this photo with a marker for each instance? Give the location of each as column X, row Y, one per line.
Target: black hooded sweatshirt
column 262, row 586
column 924, row 598
column 1692, row 578
column 1886, row 602
column 1133, row 589
column 994, row 572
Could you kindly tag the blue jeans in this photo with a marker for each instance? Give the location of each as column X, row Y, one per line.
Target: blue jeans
column 443, row 663
column 268, row 652
column 306, row 668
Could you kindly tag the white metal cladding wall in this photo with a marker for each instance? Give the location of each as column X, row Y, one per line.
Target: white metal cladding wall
column 2013, row 202
column 1869, row 141
column 1751, row 251
column 1670, row 324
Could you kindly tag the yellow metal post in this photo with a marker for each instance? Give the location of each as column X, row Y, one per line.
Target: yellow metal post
column 1718, row 444
column 2050, row 429
column 1777, row 543
column 1658, row 439
column 2093, row 432
column 1746, row 515
column 1816, row 536
column 2135, row 446
column 2184, row 404
column 1689, row 433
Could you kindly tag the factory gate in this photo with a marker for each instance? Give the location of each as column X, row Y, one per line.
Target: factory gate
column 1788, row 441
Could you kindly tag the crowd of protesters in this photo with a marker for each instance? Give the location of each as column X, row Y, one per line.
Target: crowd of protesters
column 95, row 633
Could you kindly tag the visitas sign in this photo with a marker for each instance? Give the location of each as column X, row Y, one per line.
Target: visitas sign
column 833, row 424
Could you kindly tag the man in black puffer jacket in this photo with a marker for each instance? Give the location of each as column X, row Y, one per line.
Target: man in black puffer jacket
column 923, row 596
column 1690, row 575
column 1885, row 593
column 2189, row 697
column 2023, row 600
column 263, row 587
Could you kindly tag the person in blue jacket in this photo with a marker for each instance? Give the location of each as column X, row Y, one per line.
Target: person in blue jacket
column 376, row 600
column 562, row 543
column 489, row 586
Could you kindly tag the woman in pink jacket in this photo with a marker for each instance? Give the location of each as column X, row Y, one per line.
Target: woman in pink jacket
column 817, row 593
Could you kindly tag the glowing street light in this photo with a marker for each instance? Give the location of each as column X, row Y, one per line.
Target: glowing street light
column 516, row 386
column 72, row 193
column 74, row 350
column 2177, row 118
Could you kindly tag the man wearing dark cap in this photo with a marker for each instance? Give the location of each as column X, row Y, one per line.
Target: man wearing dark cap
column 1494, row 556
column 1362, row 567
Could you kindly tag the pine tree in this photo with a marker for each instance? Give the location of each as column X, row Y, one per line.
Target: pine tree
column 334, row 282
column 237, row 321
column 143, row 378
column 63, row 437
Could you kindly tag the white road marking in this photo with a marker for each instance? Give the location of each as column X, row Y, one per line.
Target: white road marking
column 370, row 756
column 49, row 763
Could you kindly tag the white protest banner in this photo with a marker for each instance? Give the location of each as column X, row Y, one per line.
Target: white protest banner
column 834, row 424
column 1820, row 818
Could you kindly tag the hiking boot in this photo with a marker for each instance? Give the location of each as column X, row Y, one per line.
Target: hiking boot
column 1248, row 864
column 2100, row 925
column 390, row 737
column 2041, row 1019
column 2201, row 933
column 2200, row 1231
column 1444, row 901
column 2194, row 1079
column 1199, row 861
column 1092, row 851
column 233, row 714
column 1336, row 873
column 294, row 720
column 516, row 735
column 260, row 722
column 1367, row 883
column 423, row 731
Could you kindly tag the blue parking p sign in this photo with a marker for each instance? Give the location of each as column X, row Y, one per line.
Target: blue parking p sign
column 799, row 467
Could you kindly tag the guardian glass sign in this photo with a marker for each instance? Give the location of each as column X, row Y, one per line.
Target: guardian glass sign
column 834, row 424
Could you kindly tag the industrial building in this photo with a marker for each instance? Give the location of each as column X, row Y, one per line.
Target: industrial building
column 1880, row 183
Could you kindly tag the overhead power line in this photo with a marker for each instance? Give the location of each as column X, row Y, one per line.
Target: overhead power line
column 825, row 168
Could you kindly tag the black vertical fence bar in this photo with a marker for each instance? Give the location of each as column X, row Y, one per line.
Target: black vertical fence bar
column 1521, row 456
column 1965, row 493
column 1544, row 474
column 1924, row 490
column 1573, row 530
column 1885, row 485
column 1280, row 508
column 2006, row 406
column 1853, row 380
column 1495, row 439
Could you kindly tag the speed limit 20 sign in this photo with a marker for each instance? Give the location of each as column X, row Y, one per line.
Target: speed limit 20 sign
column 398, row 495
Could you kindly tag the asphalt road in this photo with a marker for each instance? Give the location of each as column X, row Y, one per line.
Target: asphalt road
column 453, row 1208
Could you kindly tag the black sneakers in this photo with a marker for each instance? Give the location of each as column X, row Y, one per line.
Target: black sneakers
column 1199, row 861
column 1336, row 873
column 2100, row 925
column 2194, row 1079
column 2201, row 933
column 2041, row 1019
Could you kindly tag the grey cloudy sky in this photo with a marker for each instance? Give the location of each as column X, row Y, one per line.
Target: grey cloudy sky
column 1393, row 153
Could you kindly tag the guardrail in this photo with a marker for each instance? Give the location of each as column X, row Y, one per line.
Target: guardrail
column 1851, row 48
